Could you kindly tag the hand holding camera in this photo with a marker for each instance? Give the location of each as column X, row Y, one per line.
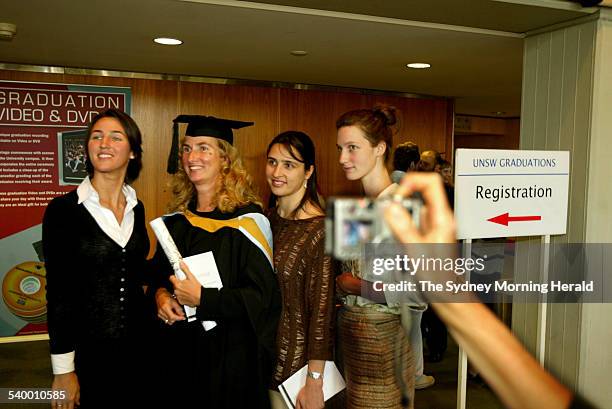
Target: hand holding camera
column 517, row 378
column 351, row 223
column 437, row 224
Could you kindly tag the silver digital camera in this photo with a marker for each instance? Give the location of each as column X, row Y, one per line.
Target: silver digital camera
column 350, row 223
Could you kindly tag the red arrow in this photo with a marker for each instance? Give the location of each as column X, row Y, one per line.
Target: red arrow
column 503, row 219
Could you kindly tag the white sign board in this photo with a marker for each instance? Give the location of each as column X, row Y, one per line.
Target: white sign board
column 510, row 193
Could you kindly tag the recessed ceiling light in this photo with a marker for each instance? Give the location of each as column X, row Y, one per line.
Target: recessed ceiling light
column 168, row 41
column 299, row 53
column 418, row 65
column 499, row 113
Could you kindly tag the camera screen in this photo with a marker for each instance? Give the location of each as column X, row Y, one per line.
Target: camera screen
column 356, row 232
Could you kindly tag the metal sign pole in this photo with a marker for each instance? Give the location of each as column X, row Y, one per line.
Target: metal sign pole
column 463, row 362
column 543, row 306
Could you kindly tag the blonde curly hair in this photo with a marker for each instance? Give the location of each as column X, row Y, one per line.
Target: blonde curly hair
column 235, row 188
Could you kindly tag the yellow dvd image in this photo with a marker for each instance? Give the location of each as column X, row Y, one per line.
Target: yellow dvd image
column 23, row 291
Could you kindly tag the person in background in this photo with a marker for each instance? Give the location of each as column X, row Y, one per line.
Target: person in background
column 432, row 161
column 513, row 374
column 216, row 211
column 445, row 169
column 429, row 160
column 434, row 330
column 304, row 272
column 405, row 159
column 97, row 314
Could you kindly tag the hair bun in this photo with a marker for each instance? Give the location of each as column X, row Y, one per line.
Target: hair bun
column 388, row 111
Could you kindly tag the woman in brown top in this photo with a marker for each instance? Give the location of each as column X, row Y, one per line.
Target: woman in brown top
column 304, row 272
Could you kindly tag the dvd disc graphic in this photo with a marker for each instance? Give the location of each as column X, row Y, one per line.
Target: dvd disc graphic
column 23, row 291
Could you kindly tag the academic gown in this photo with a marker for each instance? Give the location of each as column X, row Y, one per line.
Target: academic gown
column 229, row 366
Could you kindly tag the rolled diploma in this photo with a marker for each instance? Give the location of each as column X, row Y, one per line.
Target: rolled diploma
column 174, row 257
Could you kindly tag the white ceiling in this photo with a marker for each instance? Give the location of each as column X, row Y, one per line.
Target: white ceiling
column 350, row 43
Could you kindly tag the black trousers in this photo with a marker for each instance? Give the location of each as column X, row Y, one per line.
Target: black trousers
column 113, row 372
column 434, row 332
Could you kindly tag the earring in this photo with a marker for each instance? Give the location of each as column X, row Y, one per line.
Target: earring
column 305, row 184
column 132, row 156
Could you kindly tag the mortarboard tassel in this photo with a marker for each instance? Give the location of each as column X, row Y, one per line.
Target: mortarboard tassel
column 173, row 157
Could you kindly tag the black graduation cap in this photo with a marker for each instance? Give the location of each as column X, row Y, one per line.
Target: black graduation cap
column 200, row 125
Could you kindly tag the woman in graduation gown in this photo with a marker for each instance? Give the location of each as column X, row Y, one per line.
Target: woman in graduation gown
column 216, row 210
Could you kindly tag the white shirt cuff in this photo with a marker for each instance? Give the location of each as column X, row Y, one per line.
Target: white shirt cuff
column 62, row 363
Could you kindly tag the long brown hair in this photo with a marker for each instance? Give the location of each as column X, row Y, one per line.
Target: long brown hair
column 133, row 136
column 376, row 124
column 302, row 149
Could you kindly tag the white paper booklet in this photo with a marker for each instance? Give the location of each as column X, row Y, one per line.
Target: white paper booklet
column 174, row 257
column 202, row 266
column 332, row 383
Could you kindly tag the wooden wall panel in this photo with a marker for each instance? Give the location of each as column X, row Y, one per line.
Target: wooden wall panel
column 155, row 103
column 315, row 113
column 256, row 104
column 422, row 121
column 508, row 139
column 470, row 141
column 479, row 125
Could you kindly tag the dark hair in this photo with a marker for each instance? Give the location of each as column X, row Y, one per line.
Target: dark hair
column 134, row 138
column 375, row 123
column 406, row 156
column 301, row 148
column 444, row 164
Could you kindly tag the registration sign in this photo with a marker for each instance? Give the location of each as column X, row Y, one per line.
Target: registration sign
column 510, row 193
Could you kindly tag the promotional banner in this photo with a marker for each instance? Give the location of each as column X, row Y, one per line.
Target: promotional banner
column 42, row 155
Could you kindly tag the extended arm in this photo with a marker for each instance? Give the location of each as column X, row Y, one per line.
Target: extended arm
column 320, row 298
column 514, row 375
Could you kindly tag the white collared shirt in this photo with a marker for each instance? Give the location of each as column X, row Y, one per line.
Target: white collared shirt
column 119, row 233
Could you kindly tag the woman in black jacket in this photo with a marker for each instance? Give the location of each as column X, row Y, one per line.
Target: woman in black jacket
column 95, row 246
